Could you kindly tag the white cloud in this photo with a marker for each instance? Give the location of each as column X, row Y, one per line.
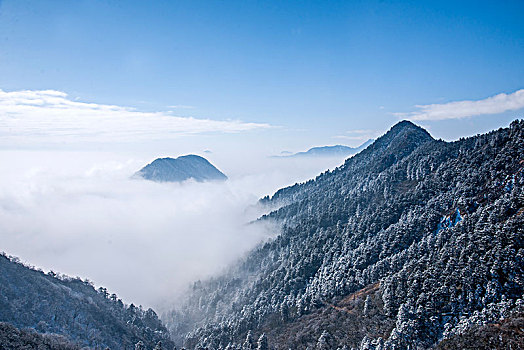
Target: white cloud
column 51, row 116
column 81, row 213
column 181, row 107
column 77, row 214
column 352, row 138
column 357, row 135
column 360, row 131
column 462, row 109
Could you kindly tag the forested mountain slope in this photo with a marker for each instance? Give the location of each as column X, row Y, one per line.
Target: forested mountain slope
column 70, row 307
column 411, row 241
column 13, row 338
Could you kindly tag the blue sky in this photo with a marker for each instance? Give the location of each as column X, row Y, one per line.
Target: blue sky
column 302, row 73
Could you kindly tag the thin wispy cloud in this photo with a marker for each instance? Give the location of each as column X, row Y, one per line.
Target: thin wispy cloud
column 181, row 107
column 352, row 138
column 49, row 115
column 469, row 108
column 357, row 135
column 85, row 215
column 360, row 131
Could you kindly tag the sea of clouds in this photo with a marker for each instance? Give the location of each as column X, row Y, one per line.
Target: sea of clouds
column 82, row 214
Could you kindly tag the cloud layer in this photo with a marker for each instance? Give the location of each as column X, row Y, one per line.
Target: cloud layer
column 51, row 116
column 80, row 213
column 462, row 109
column 143, row 240
column 358, row 135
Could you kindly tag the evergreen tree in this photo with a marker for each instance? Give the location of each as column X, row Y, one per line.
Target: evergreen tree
column 262, row 343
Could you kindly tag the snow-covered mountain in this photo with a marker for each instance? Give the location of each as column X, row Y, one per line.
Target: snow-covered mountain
column 413, row 243
column 179, row 169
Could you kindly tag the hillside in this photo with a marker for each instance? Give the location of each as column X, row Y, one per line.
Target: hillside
column 13, row 338
column 181, row 169
column 410, row 242
column 56, row 305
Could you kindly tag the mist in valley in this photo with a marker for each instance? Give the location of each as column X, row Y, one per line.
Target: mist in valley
column 83, row 214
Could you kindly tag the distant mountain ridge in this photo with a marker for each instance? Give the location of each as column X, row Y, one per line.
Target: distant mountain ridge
column 180, row 169
column 328, row 151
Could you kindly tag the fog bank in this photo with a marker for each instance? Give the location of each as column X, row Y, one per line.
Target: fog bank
column 81, row 214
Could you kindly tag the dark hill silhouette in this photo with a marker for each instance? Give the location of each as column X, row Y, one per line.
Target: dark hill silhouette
column 180, row 169
column 72, row 308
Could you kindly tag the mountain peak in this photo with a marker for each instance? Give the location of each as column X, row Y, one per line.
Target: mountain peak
column 406, row 125
column 192, row 157
column 404, row 134
column 181, row 169
column 400, row 141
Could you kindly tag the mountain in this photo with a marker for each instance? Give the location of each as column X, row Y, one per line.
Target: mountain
column 329, row 151
column 14, row 338
column 411, row 243
column 181, row 169
column 60, row 312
